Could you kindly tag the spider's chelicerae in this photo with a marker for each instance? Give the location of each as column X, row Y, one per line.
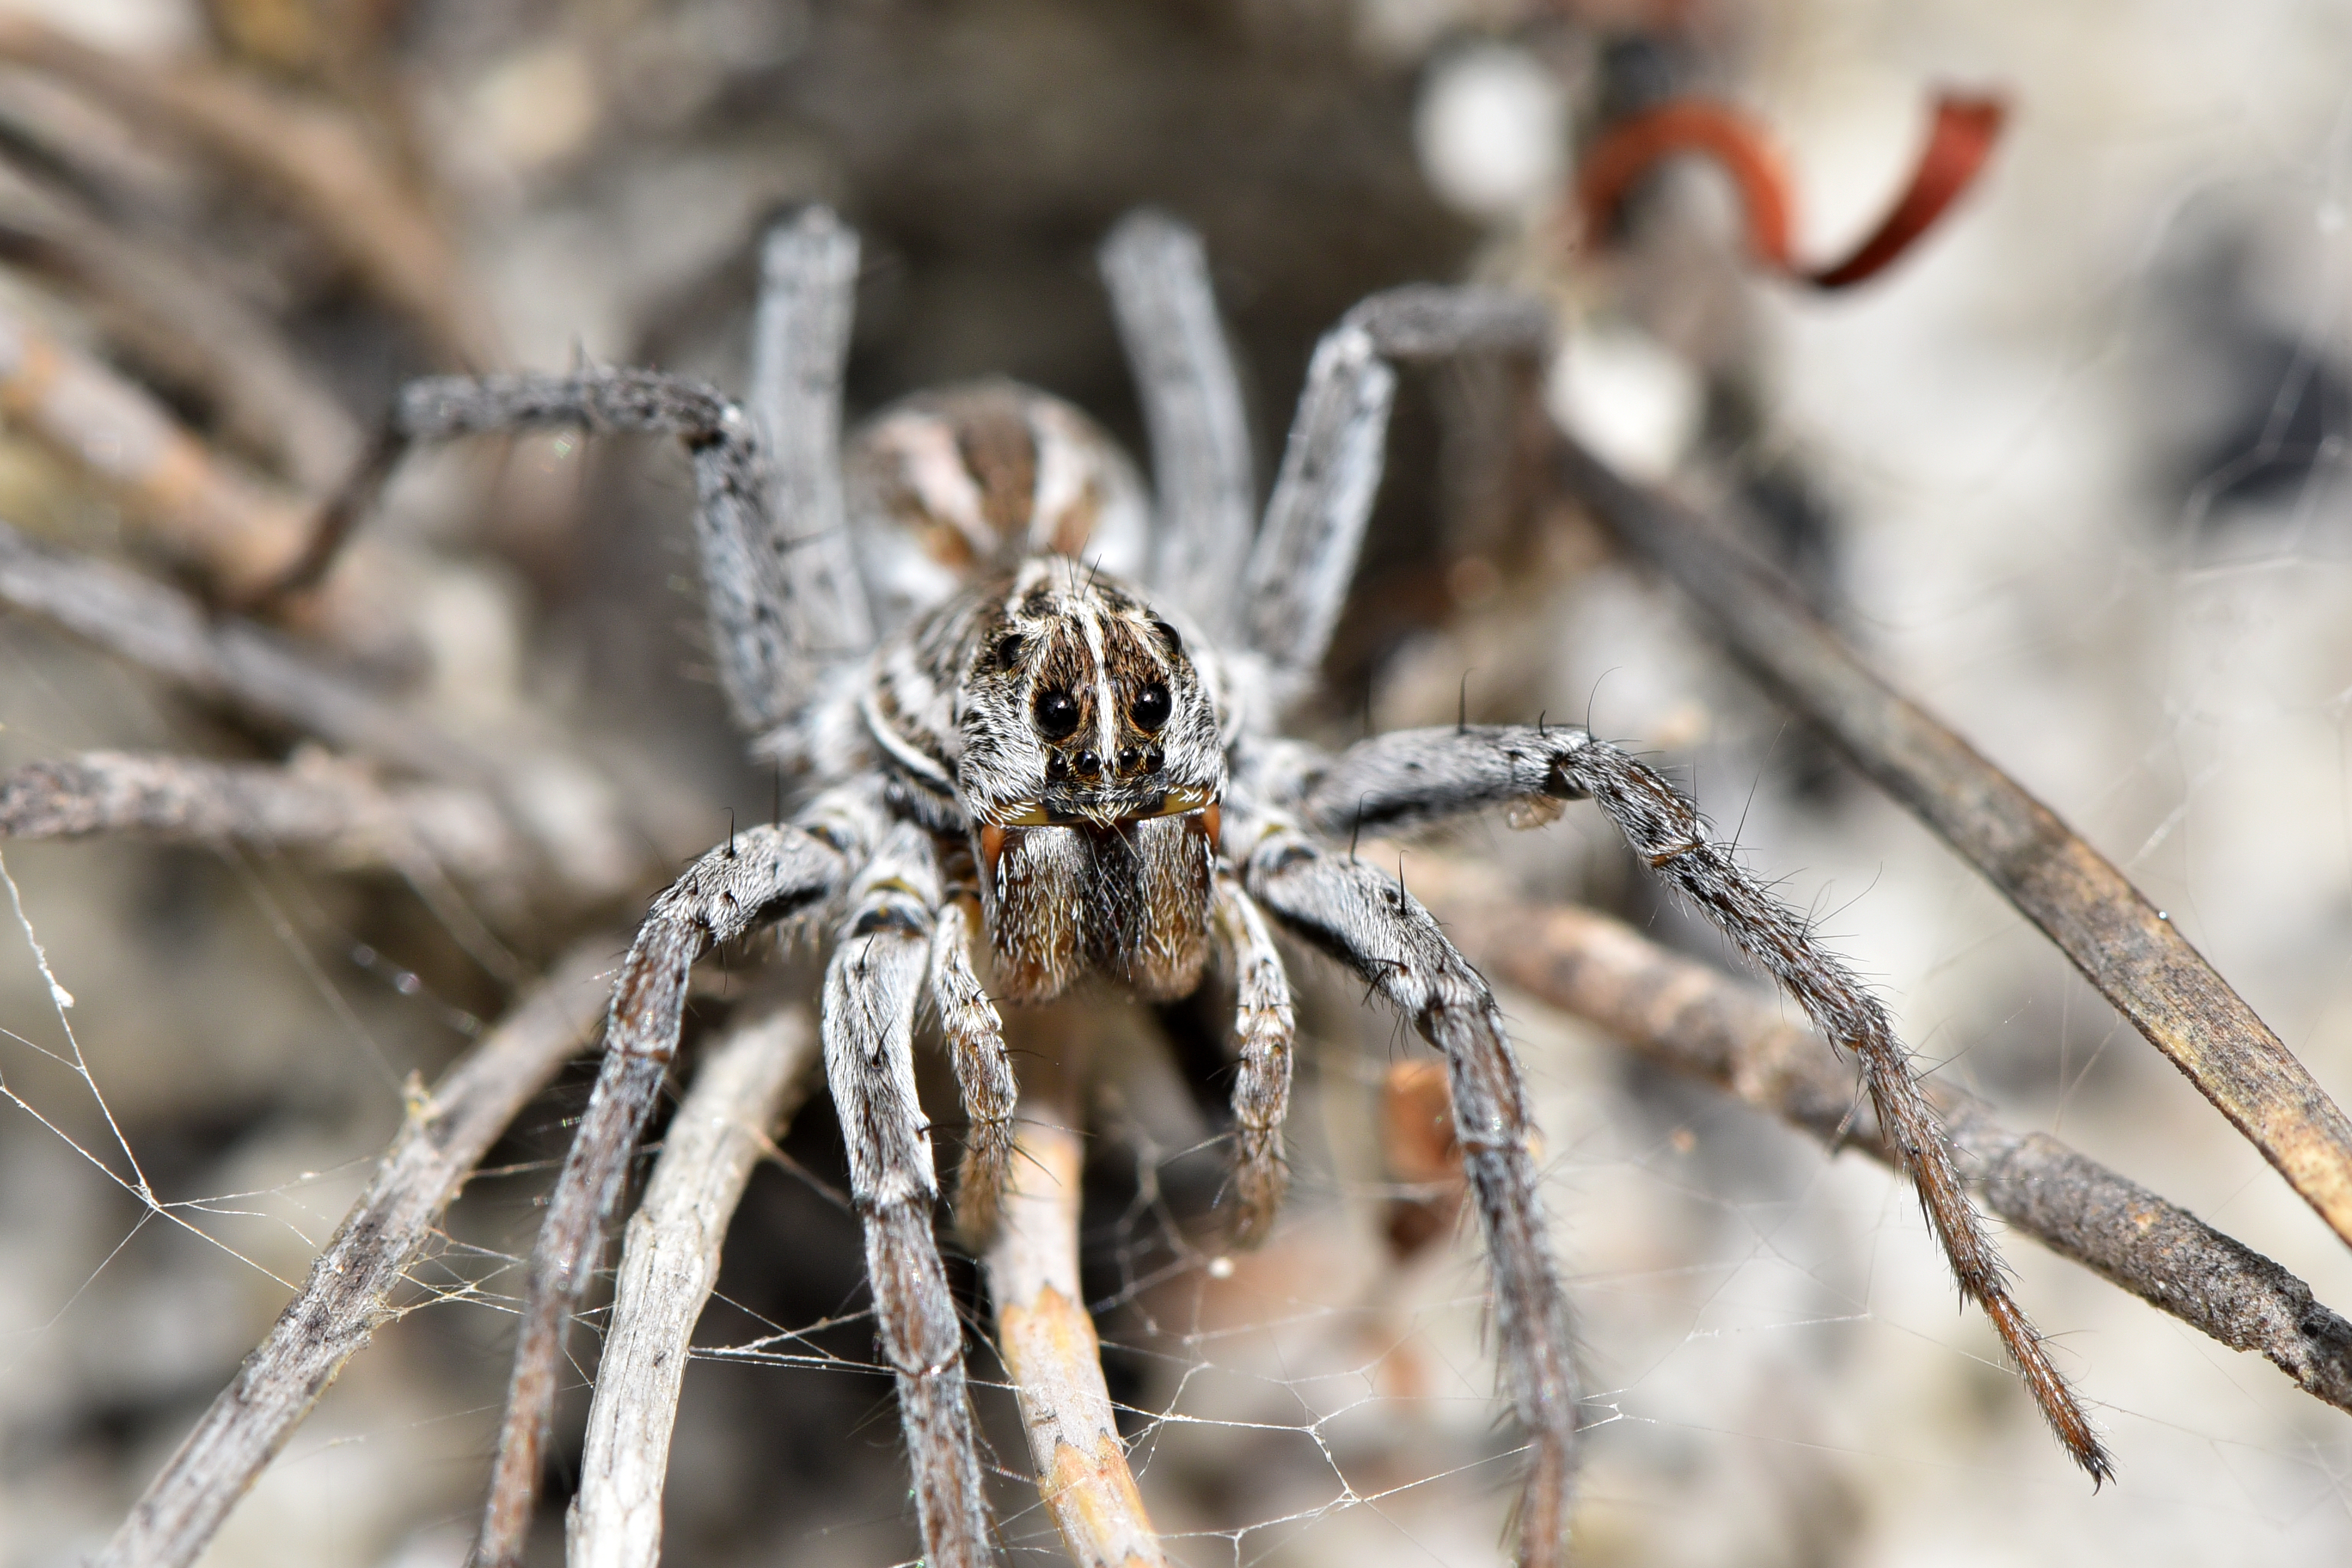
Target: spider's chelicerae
column 1037, row 723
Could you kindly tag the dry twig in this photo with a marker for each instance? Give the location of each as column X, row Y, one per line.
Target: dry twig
column 349, row 1291
column 311, row 159
column 1697, row 1021
column 227, row 660
column 2121, row 942
column 240, row 534
column 669, row 1262
column 1045, row 1337
column 319, row 802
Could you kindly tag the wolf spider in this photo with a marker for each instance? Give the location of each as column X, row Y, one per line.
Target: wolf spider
column 1035, row 719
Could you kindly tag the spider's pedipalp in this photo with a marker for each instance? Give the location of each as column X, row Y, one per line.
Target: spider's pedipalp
column 1263, row 1029
column 1418, row 776
column 975, row 1037
column 1368, row 921
column 1159, row 281
column 761, row 874
column 879, row 964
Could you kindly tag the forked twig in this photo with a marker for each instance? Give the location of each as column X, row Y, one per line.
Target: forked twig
column 348, row 1294
column 1697, row 1021
column 2123, row 944
column 1048, row 1341
column 669, row 1262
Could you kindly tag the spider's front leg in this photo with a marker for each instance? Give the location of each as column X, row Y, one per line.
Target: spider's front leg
column 880, row 963
column 761, row 875
column 1364, row 919
column 1419, row 776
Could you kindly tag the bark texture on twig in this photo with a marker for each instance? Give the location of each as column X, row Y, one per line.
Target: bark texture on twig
column 240, row 534
column 311, row 159
column 319, row 803
column 225, row 660
column 669, row 1262
column 1045, row 1337
column 1694, row 1020
column 349, row 1290
column 2123, row 944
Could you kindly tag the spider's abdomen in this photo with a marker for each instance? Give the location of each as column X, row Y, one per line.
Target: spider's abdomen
column 947, row 488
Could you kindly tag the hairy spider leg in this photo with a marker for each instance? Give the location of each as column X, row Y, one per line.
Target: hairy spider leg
column 1206, row 498
column 1415, row 777
column 1305, row 557
column 800, row 344
column 881, row 958
column 1366, row 920
column 768, row 873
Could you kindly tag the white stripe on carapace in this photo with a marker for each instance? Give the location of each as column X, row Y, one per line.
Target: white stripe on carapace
column 897, row 745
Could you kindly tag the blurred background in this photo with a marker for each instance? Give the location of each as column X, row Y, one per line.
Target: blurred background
column 2071, row 472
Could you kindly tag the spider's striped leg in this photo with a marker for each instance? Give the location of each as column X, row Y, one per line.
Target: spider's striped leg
column 1418, row 776
column 975, row 1037
column 800, row 341
column 1263, row 1027
column 1158, row 282
column 759, row 874
column 879, row 964
column 1306, row 554
column 1365, row 920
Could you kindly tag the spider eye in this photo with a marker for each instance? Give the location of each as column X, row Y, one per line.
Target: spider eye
column 1149, row 710
column 1008, row 651
column 1168, row 637
column 1057, row 714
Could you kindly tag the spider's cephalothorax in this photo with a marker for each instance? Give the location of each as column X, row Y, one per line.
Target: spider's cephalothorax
column 1102, row 759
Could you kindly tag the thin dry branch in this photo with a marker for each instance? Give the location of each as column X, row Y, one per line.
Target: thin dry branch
column 311, row 159
column 226, row 661
column 319, row 803
column 165, row 309
column 2123, row 944
column 1047, row 1340
column 349, row 1291
column 241, row 536
column 1697, row 1021
column 669, row 1263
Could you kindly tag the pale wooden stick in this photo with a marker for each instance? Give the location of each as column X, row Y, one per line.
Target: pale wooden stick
column 349, row 1290
column 240, row 533
column 1044, row 1334
column 2124, row 945
column 1707, row 1025
column 669, row 1262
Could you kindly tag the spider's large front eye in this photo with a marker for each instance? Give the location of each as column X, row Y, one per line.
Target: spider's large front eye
column 1149, row 709
column 1057, row 714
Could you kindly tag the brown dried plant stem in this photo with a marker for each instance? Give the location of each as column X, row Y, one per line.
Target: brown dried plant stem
column 1697, row 1021
column 1044, row 1334
column 311, row 159
column 320, row 803
column 669, row 1263
column 351, row 1285
column 2122, row 944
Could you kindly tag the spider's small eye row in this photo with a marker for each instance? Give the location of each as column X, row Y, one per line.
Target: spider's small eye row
column 1009, row 650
